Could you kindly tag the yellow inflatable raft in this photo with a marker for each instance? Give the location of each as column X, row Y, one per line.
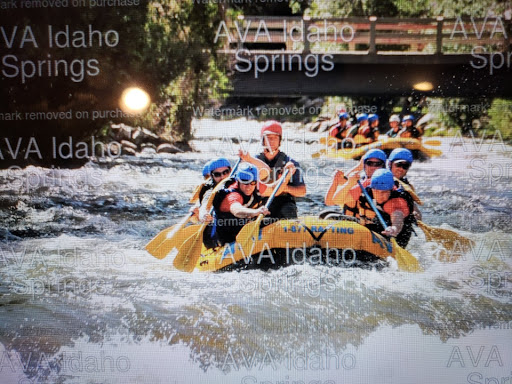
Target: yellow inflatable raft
column 303, row 240
column 384, row 143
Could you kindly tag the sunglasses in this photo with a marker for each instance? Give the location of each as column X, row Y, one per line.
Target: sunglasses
column 374, row 163
column 223, row 173
column 403, row 165
column 248, row 182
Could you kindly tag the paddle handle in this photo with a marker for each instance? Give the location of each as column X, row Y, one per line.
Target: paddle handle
column 273, row 194
column 372, row 204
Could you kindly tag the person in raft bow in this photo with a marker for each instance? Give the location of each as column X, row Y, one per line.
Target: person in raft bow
column 408, row 128
column 340, row 130
column 218, row 170
column 236, row 205
column 370, row 162
column 399, row 162
column 271, row 164
column 373, row 120
column 394, row 126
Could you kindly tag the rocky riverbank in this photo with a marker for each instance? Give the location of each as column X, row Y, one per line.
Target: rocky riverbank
column 134, row 140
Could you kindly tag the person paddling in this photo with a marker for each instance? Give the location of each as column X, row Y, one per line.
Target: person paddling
column 271, row 164
column 237, row 204
column 399, row 163
column 391, row 204
column 409, row 130
column 342, row 184
column 341, row 129
column 218, row 170
column 394, row 126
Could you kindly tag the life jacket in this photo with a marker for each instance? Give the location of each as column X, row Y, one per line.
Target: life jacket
column 412, row 132
column 338, row 131
column 366, row 135
column 276, row 165
column 226, row 225
column 391, row 133
column 284, row 199
column 367, row 216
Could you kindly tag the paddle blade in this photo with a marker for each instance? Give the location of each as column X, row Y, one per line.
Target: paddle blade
column 174, row 240
column 405, row 260
column 432, row 142
column 318, row 154
column 156, row 241
column 248, row 235
column 189, row 252
column 449, row 239
column 195, row 195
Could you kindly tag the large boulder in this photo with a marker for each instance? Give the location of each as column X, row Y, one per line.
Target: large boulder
column 168, row 148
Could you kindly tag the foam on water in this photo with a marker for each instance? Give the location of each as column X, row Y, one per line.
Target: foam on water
column 75, row 278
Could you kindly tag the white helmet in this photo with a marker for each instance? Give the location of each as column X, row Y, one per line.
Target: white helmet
column 394, row 118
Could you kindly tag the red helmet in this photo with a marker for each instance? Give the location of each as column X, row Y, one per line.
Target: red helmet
column 272, row 127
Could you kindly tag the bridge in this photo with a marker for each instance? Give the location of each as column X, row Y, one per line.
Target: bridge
column 296, row 56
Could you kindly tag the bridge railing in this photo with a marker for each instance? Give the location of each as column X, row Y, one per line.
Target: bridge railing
column 369, row 35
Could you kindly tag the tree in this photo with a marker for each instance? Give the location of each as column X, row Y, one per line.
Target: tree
column 166, row 47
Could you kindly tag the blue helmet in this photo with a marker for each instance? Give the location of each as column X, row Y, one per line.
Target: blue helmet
column 408, row 117
column 375, row 153
column 362, row 117
column 206, row 168
column 221, row 162
column 247, row 173
column 382, row 180
column 400, row 154
column 343, row 115
column 373, row 117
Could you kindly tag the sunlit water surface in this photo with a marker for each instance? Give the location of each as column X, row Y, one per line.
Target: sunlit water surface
column 82, row 302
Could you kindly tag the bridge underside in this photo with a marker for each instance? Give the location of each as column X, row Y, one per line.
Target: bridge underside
column 373, row 79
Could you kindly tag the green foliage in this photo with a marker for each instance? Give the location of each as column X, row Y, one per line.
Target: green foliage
column 464, row 8
column 166, row 48
column 181, row 51
column 405, row 8
column 500, row 117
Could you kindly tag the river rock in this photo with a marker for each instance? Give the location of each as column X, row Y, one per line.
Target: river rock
column 148, row 150
column 121, row 132
column 168, row 148
column 143, row 135
column 129, row 151
column 148, row 145
column 129, row 144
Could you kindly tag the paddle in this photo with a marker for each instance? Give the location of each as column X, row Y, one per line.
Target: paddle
column 432, row 142
column 167, row 235
column 175, row 241
column 195, row 195
column 250, row 231
column 190, row 250
column 406, row 261
column 318, row 154
column 446, row 237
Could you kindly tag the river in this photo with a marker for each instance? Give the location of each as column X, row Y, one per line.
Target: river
column 81, row 301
